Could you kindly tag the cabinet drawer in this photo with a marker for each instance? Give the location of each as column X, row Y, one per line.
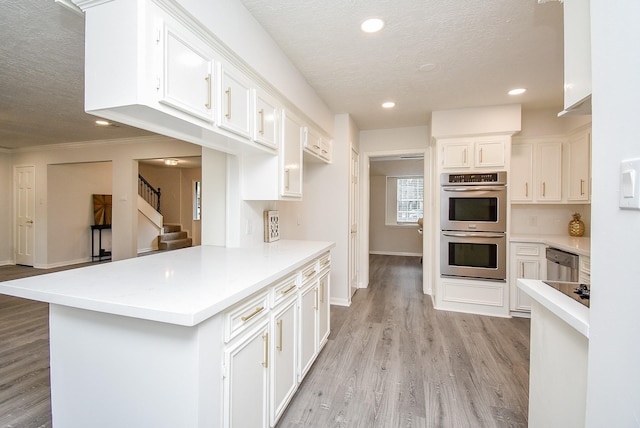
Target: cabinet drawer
column 245, row 314
column 284, row 289
column 325, row 262
column 527, row 250
column 309, row 272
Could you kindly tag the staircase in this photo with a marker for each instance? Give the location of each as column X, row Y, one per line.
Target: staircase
column 173, row 237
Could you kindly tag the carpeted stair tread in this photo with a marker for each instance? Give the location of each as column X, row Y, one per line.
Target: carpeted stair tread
column 174, row 244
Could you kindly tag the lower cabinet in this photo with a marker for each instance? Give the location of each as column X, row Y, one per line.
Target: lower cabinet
column 272, row 339
column 284, row 376
column 527, row 261
column 246, row 381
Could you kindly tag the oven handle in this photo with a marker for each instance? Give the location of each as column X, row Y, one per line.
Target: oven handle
column 473, row 188
column 474, row 234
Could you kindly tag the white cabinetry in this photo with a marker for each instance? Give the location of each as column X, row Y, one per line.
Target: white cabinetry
column 584, row 273
column 272, row 339
column 479, row 153
column 284, row 376
column 521, row 177
column 266, row 119
column 187, row 72
column 577, row 57
column 235, row 101
column 317, row 146
column 548, row 180
column 579, row 166
column 291, row 155
column 527, row 261
column 246, row 393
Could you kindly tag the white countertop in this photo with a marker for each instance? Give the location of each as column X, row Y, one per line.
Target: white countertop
column 567, row 309
column 182, row 287
column 577, row 245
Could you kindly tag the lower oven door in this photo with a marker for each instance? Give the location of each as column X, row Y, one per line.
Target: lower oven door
column 480, row 255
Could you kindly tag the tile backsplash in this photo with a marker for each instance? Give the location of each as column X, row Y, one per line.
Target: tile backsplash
column 547, row 219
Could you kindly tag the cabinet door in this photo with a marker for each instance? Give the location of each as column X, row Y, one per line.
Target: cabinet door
column 323, row 310
column 266, row 113
column 579, row 176
column 528, row 269
column 456, row 155
column 326, row 150
column 235, row 101
column 521, row 180
column 291, row 156
column 313, row 142
column 489, row 154
column 308, row 328
column 247, row 362
column 549, row 172
column 283, row 367
column 187, row 74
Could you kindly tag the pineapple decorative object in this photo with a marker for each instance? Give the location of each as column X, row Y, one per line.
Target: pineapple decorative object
column 576, row 226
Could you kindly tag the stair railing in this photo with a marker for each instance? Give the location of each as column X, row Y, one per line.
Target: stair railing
column 149, row 193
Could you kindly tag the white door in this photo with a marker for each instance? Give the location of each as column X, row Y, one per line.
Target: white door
column 25, row 212
column 354, row 211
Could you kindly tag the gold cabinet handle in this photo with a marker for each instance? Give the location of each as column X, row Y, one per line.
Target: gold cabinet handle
column 544, row 188
column 280, row 332
column 261, row 113
column 288, row 289
column 252, row 314
column 265, row 337
column 310, row 274
column 286, row 172
column 208, row 80
column 322, row 292
column 581, row 187
column 464, row 156
column 526, row 189
column 522, row 270
column 326, row 263
column 317, row 305
column 480, row 155
column 228, row 92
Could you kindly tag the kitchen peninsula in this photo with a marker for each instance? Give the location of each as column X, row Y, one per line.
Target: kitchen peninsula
column 183, row 338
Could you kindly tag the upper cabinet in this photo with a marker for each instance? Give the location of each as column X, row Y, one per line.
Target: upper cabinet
column 235, row 101
column 186, row 81
column 470, row 153
column 266, row 115
column 579, row 166
column 317, row 146
column 552, row 170
column 293, row 131
column 577, row 57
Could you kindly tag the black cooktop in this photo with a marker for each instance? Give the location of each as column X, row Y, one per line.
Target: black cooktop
column 575, row 290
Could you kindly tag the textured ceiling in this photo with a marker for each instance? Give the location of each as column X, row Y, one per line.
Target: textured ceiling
column 478, row 50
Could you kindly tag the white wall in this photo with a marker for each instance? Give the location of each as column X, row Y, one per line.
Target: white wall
column 476, row 121
column 188, row 176
column 547, row 219
column 323, row 215
column 6, row 204
column 545, row 122
column 123, row 154
column 70, row 190
column 613, row 394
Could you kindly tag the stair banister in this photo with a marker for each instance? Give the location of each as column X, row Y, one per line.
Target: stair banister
column 149, row 193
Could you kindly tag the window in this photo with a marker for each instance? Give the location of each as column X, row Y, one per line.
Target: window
column 405, row 204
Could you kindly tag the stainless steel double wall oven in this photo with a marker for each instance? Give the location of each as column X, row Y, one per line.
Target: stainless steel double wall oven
column 473, row 223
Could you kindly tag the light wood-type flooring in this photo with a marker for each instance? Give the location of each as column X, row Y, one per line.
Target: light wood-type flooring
column 391, row 361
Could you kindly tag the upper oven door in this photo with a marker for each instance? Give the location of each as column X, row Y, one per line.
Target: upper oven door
column 474, row 208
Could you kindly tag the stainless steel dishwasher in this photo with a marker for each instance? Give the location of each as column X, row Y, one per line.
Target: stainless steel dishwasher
column 561, row 265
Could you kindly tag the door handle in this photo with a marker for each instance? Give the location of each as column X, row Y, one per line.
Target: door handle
column 29, row 221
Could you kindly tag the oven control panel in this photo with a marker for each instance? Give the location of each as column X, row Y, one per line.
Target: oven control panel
column 499, row 177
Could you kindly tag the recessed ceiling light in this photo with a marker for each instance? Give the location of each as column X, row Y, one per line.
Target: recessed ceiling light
column 372, row 25
column 171, row 162
column 103, row 122
column 388, row 104
column 517, row 91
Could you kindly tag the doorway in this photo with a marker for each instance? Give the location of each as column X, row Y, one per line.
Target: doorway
column 354, row 215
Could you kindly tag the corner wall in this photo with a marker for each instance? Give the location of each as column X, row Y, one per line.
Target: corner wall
column 6, row 204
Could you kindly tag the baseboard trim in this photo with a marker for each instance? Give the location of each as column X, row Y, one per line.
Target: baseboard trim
column 7, row 263
column 339, row 302
column 395, row 253
column 67, row 263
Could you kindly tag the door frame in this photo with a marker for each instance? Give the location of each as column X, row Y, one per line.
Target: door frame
column 354, row 204
column 428, row 245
